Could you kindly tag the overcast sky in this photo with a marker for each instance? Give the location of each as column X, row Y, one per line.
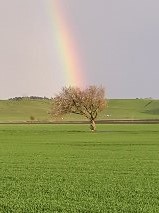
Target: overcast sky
column 118, row 40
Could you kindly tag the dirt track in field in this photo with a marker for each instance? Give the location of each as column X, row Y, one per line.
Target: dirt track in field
column 114, row 121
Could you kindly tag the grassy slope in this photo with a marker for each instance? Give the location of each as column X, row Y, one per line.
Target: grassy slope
column 133, row 109
column 65, row 168
column 22, row 110
column 118, row 109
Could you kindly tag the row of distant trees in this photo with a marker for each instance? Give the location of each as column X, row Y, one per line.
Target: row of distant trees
column 29, row 98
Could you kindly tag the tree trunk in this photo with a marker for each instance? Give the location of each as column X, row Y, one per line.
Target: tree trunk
column 92, row 125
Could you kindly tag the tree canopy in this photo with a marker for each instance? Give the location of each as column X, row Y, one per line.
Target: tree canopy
column 87, row 102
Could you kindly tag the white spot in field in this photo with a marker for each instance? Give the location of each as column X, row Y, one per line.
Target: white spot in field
column 108, row 115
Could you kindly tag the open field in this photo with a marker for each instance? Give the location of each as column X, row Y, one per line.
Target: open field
column 65, row 168
column 21, row 111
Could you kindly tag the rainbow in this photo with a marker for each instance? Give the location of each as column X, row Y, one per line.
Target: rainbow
column 67, row 48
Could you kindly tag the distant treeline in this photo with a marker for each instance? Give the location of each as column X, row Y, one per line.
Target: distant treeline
column 29, row 98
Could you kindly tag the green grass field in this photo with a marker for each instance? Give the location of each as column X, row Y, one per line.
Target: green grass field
column 21, row 111
column 66, row 168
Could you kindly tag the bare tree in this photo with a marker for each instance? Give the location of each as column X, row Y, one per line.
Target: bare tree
column 87, row 102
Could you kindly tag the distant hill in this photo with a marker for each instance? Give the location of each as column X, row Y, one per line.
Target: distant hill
column 35, row 109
